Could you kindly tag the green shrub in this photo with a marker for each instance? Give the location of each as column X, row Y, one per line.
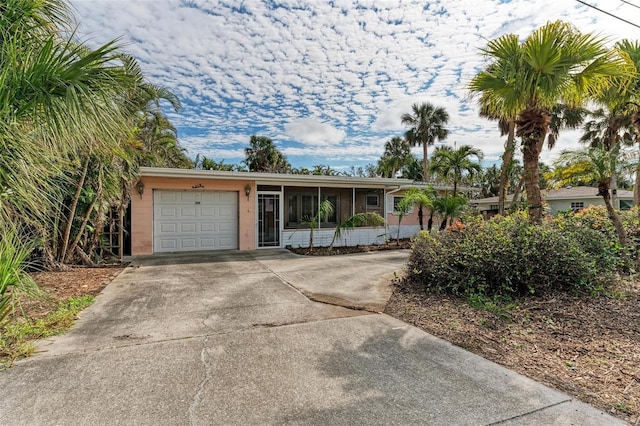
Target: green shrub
column 508, row 256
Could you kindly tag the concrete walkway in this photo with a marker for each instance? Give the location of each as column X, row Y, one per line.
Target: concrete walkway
column 230, row 338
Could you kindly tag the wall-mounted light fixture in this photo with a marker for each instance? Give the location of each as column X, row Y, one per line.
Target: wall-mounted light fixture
column 140, row 188
column 247, row 190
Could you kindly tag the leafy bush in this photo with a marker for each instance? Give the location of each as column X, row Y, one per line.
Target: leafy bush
column 509, row 256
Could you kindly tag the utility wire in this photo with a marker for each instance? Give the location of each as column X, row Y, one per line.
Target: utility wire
column 630, row 4
column 607, row 13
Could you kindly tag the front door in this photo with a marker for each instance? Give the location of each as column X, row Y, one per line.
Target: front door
column 268, row 220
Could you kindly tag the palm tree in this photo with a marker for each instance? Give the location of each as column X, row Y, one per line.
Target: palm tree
column 423, row 198
column 598, row 164
column 426, row 124
column 448, row 207
column 632, row 97
column 61, row 102
column 397, row 154
column 413, row 170
column 453, row 165
column 352, row 222
column 555, row 64
column 263, row 156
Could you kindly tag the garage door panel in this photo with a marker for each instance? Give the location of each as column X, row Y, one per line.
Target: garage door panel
column 168, row 228
column 192, row 220
column 188, row 228
column 168, row 212
column 207, row 227
column 188, row 212
column 168, row 244
column 226, row 227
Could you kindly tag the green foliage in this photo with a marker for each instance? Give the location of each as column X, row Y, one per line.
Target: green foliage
column 14, row 253
column 358, row 219
column 16, row 338
column 509, row 256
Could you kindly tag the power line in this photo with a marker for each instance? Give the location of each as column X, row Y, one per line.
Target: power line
column 607, row 13
column 630, row 4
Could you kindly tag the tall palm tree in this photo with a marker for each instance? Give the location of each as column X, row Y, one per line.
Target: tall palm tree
column 263, row 156
column 555, row 64
column 427, row 124
column 598, row 164
column 453, row 165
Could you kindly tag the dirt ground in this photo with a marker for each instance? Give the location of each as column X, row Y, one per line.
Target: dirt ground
column 588, row 347
column 60, row 286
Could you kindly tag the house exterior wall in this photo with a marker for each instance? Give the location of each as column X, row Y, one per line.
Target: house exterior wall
column 142, row 209
column 557, row 206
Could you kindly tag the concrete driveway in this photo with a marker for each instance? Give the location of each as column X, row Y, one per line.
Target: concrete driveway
column 231, row 338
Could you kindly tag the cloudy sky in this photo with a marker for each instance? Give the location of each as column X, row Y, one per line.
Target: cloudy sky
column 326, row 80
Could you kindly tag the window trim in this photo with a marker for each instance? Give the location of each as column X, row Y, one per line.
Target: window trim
column 377, row 197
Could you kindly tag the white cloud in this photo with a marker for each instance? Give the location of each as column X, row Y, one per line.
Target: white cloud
column 311, row 132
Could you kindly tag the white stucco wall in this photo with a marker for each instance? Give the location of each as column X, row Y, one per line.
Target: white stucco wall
column 361, row 236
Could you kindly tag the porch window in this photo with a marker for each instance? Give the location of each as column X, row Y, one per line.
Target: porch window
column 373, row 200
column 303, row 207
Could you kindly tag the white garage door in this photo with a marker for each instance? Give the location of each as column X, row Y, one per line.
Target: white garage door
column 195, row 220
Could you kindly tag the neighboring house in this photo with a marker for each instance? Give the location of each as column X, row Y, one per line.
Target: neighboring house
column 186, row 210
column 559, row 200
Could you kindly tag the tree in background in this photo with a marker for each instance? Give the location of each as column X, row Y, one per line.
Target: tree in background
column 413, row 170
column 427, row 124
column 555, row 64
column 263, row 156
column 597, row 164
column 397, row 154
column 455, row 164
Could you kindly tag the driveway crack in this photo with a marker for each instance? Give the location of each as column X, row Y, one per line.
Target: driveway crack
column 197, row 398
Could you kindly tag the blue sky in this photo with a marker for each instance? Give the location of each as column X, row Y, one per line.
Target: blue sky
column 326, row 80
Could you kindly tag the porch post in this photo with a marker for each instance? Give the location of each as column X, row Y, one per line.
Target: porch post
column 319, row 201
column 353, row 201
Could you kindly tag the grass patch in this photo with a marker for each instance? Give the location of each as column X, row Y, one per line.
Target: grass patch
column 17, row 337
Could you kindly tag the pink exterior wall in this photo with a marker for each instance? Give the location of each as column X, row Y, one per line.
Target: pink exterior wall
column 409, row 218
column 142, row 209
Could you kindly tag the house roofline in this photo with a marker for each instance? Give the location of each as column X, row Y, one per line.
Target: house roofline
column 290, row 179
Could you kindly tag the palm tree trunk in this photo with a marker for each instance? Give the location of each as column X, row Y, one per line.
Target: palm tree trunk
column 531, row 156
column 72, row 211
column 430, row 221
column 507, row 158
column 425, row 162
column 420, row 217
column 603, row 190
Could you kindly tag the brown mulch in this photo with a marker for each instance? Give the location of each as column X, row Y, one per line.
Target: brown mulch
column 59, row 286
column 324, row 251
column 588, row 347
